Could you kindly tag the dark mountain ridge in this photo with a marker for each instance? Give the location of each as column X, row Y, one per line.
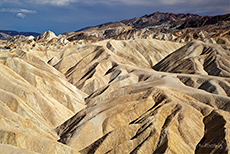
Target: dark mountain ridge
column 158, row 18
column 205, row 20
column 162, row 26
column 178, row 21
column 11, row 33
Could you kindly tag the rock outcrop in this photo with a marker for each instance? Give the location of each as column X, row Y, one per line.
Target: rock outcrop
column 48, row 35
column 197, row 58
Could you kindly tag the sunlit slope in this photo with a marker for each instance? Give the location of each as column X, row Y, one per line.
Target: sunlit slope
column 133, row 109
column 198, row 58
column 113, row 96
column 34, row 99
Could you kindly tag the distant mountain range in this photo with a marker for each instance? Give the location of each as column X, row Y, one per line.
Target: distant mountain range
column 5, row 34
column 162, row 26
column 176, row 21
column 157, row 24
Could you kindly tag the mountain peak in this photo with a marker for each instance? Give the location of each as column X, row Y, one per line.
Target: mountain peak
column 48, row 35
column 157, row 18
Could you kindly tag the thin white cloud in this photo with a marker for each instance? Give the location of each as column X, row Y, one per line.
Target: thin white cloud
column 173, row 2
column 108, row 2
column 55, row 2
column 20, row 15
column 9, row 10
column 13, row 10
column 123, row 2
column 92, row 2
column 10, row 1
column 116, row 2
column 27, row 11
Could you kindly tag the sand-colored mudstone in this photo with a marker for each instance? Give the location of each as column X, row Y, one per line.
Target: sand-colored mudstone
column 114, row 96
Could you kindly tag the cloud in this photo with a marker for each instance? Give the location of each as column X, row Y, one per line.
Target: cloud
column 10, row 1
column 172, row 2
column 28, row 11
column 67, row 2
column 114, row 2
column 55, row 2
column 13, row 10
column 120, row 2
column 20, row 15
column 93, row 2
column 20, row 12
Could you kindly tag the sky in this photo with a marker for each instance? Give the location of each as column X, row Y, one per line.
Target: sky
column 62, row 16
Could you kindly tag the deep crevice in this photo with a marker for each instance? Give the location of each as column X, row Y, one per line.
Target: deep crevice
column 213, row 140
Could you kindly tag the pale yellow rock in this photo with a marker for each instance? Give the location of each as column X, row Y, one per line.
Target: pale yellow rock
column 35, row 98
column 104, row 97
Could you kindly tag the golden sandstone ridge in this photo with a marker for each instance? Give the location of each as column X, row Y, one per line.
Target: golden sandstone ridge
column 75, row 93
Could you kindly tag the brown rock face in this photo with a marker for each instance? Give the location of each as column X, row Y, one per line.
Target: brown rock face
column 101, row 93
column 162, row 26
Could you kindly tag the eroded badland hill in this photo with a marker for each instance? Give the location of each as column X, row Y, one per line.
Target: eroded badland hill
column 155, row 84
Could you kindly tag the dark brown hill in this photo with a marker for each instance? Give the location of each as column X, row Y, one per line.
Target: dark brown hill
column 158, row 18
column 162, row 26
column 206, row 20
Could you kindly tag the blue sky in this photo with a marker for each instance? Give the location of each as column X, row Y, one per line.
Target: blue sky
column 69, row 15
